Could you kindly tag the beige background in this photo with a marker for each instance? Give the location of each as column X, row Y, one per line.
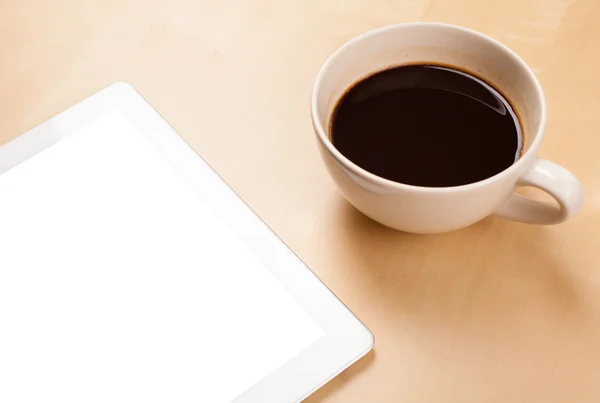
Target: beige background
column 498, row 312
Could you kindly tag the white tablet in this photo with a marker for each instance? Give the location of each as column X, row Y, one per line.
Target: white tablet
column 130, row 272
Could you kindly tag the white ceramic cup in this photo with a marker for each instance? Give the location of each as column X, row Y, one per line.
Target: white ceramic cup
column 425, row 209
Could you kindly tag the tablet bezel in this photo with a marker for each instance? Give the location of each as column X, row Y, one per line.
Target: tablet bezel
column 346, row 339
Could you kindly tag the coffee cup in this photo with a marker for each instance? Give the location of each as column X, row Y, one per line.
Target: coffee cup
column 421, row 209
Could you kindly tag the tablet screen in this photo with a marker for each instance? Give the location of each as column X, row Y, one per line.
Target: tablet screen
column 119, row 283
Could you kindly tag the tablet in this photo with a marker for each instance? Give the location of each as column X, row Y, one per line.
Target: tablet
column 129, row 271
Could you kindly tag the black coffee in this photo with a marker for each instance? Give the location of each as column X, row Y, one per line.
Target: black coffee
column 427, row 125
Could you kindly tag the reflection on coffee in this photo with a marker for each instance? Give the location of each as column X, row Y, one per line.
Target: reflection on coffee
column 427, row 125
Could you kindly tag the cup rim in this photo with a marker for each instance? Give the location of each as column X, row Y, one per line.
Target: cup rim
column 363, row 173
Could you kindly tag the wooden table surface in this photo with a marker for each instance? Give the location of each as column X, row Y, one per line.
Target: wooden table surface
column 498, row 312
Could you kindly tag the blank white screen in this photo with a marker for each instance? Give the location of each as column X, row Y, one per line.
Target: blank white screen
column 118, row 283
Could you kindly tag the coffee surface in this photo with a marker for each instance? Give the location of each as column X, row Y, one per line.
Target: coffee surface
column 426, row 125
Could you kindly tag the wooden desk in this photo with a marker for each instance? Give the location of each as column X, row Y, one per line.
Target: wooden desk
column 498, row 312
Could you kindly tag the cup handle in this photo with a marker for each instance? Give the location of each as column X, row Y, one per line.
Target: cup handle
column 553, row 179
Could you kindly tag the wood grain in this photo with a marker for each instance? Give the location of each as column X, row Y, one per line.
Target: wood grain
column 498, row 312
